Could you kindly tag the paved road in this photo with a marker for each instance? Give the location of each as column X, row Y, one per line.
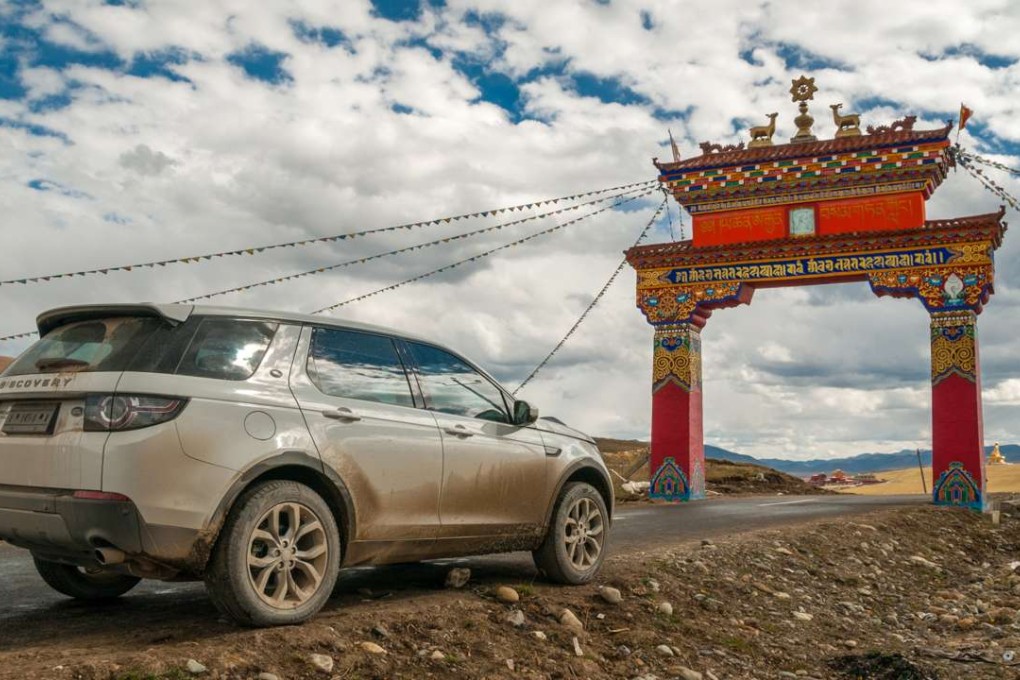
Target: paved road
column 26, row 600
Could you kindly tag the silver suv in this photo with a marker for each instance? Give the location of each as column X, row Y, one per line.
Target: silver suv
column 261, row 451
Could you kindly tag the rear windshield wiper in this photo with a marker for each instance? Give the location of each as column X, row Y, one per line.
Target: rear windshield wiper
column 44, row 365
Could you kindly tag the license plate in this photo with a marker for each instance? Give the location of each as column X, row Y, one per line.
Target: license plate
column 31, row 418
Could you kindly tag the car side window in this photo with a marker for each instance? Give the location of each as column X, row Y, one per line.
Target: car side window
column 227, row 349
column 358, row 366
column 453, row 386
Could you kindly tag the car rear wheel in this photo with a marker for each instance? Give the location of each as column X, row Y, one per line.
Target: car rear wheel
column 277, row 558
column 574, row 546
column 83, row 583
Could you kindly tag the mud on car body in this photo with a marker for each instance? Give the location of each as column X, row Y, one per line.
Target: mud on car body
column 263, row 451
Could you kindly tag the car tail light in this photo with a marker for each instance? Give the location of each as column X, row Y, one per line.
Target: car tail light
column 113, row 413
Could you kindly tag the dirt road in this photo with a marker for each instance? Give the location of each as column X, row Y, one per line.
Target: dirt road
column 26, row 602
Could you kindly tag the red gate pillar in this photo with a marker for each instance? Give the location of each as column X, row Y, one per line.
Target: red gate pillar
column 958, row 461
column 677, row 455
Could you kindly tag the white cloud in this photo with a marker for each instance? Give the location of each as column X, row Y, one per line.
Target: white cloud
column 1007, row 392
column 225, row 161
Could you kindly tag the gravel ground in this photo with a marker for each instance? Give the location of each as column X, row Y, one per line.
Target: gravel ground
column 903, row 593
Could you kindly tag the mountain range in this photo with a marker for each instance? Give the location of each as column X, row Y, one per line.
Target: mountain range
column 864, row 462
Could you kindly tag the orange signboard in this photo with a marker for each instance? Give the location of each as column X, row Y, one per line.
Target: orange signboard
column 872, row 213
column 875, row 213
column 738, row 226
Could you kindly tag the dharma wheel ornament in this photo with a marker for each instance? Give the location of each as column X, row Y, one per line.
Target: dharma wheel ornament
column 803, row 88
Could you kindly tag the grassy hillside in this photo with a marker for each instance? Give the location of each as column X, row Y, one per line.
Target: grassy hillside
column 5, row 362
column 1001, row 478
column 722, row 476
column 861, row 463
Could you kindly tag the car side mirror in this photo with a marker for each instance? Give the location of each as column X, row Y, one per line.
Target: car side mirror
column 524, row 413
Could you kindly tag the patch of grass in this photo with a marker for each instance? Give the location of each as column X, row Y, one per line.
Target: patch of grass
column 135, row 674
column 524, row 589
column 737, row 644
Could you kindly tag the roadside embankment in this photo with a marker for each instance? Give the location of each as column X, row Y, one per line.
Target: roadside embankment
column 906, row 593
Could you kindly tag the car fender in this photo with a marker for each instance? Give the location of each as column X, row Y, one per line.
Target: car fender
column 568, row 472
column 264, row 468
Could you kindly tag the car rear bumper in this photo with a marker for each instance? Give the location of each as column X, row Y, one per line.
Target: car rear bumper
column 54, row 519
column 53, row 524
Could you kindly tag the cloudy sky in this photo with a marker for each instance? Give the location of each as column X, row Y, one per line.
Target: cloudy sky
column 142, row 130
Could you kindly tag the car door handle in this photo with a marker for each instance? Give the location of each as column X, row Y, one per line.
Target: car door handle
column 553, row 450
column 458, row 431
column 342, row 413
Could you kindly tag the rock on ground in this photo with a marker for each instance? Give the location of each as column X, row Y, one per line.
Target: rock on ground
column 570, row 620
column 322, row 662
column 458, row 577
column 611, row 595
column 507, row 594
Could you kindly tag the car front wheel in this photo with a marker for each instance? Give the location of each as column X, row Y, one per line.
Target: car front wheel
column 574, row 546
column 277, row 558
column 82, row 583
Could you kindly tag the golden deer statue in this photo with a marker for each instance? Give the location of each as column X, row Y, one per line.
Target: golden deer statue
column 846, row 126
column 761, row 135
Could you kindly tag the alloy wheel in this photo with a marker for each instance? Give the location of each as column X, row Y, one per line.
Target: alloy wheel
column 287, row 555
column 583, row 533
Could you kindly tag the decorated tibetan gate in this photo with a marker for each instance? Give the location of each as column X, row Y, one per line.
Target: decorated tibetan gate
column 807, row 212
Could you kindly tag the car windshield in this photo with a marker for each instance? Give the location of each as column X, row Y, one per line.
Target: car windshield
column 86, row 346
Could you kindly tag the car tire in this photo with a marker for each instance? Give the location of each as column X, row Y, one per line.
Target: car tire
column 575, row 543
column 82, row 584
column 277, row 558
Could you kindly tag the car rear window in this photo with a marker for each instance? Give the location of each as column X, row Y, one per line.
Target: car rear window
column 87, row 346
column 227, row 349
column 216, row 347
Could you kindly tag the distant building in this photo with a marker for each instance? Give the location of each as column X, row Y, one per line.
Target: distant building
column 996, row 457
column 840, row 478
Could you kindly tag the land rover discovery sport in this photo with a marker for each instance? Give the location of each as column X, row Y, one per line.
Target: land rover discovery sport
column 262, row 451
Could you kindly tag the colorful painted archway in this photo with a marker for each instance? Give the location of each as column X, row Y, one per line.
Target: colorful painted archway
column 811, row 211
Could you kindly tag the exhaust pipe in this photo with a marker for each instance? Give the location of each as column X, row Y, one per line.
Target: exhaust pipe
column 109, row 556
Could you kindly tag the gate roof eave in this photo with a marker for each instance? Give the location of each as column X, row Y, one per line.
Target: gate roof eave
column 987, row 227
column 779, row 152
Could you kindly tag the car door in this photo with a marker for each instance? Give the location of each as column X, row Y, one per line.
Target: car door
column 357, row 401
column 494, row 472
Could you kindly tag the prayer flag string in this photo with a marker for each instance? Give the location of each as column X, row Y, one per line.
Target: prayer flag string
column 407, row 249
column 45, row 278
column 482, row 255
column 595, row 301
